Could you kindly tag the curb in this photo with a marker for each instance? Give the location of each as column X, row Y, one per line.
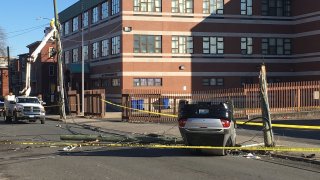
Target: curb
column 294, row 158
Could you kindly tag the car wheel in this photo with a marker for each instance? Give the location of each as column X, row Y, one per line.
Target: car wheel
column 224, row 152
column 43, row 121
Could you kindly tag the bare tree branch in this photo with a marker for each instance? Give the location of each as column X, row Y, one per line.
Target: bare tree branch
column 3, row 43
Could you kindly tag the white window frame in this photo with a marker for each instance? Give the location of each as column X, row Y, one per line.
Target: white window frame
column 182, row 6
column 246, row 7
column 247, row 46
column 95, row 14
column 75, row 55
column 213, row 45
column 213, row 6
column 95, row 50
column 147, row 5
column 116, row 82
column 105, row 48
column 105, row 10
column 182, row 45
column 115, row 45
column 85, row 19
column 115, row 7
column 66, row 28
column 85, row 52
column 75, row 24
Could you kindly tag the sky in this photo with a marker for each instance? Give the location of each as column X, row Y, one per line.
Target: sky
column 23, row 21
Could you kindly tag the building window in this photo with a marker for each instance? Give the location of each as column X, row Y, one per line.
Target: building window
column 95, row 14
column 147, row 5
column 95, row 50
column 75, row 55
column 276, row 46
column 66, row 57
column 246, row 45
column 104, row 10
column 147, row 44
column 246, row 7
column 85, row 53
column 182, row 6
column 182, row 44
column 115, row 82
column 115, row 45
column 276, row 7
column 115, row 7
column 213, row 45
column 51, row 70
column 85, row 18
column 213, row 6
column 212, row 82
column 105, row 47
column 147, row 82
column 75, row 25
column 66, row 28
column 51, row 52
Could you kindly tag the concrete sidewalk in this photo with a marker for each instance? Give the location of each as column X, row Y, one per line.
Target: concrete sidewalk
column 113, row 123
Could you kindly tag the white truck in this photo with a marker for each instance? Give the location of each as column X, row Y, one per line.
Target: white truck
column 23, row 108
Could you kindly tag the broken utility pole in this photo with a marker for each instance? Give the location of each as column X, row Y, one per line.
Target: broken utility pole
column 266, row 118
column 60, row 68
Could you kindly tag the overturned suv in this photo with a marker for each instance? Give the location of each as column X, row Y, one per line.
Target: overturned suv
column 207, row 124
column 24, row 108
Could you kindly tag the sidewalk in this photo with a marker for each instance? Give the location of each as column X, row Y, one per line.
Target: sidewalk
column 113, row 123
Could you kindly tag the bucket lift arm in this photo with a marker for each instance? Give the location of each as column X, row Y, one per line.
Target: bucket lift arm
column 33, row 57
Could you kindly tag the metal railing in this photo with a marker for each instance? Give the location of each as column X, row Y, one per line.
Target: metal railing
column 286, row 97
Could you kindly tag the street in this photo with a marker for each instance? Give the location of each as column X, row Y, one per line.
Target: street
column 29, row 162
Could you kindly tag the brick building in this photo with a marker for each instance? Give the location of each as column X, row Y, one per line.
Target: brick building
column 190, row 44
column 4, row 78
column 43, row 73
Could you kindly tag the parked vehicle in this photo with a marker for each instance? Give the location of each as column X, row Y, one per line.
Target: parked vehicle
column 1, row 105
column 207, row 124
column 24, row 108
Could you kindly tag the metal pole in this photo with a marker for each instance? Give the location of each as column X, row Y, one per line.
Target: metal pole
column 60, row 68
column 82, row 75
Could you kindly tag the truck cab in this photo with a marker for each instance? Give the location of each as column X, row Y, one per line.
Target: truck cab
column 24, row 108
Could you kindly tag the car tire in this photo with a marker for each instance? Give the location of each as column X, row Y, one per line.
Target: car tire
column 43, row 121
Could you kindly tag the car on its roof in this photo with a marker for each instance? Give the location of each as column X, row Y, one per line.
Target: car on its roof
column 207, row 124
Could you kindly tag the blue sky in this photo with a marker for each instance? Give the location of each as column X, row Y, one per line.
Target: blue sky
column 21, row 23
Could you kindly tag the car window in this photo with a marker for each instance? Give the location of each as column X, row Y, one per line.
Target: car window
column 204, row 111
column 27, row 100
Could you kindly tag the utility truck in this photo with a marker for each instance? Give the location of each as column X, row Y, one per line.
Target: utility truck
column 25, row 107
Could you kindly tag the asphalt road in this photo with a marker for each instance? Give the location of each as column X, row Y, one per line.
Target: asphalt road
column 25, row 162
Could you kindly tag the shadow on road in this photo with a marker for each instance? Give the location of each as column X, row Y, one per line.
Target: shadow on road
column 134, row 152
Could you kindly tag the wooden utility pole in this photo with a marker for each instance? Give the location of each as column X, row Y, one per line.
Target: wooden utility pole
column 9, row 71
column 266, row 118
column 60, row 68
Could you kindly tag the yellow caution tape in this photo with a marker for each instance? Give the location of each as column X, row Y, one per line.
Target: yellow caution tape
column 280, row 125
column 238, row 122
column 150, row 112
column 160, row 146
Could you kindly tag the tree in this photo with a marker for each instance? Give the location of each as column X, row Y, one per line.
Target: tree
column 2, row 43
